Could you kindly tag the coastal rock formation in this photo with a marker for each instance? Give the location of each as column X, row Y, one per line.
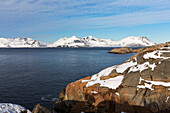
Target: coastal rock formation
column 40, row 109
column 141, row 84
column 122, row 50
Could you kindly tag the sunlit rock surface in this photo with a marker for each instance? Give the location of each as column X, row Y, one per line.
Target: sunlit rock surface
column 141, row 84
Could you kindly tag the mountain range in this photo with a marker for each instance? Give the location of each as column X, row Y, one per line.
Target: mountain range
column 75, row 42
column 21, row 43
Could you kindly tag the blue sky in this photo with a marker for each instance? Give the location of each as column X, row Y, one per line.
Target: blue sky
column 49, row 20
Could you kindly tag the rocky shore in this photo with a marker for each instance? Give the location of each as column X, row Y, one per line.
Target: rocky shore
column 124, row 50
column 141, row 84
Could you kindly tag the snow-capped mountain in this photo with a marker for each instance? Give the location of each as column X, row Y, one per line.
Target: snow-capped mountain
column 135, row 42
column 98, row 42
column 69, row 42
column 20, row 43
column 75, row 42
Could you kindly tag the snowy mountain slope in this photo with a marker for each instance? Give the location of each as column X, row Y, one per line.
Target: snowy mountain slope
column 135, row 41
column 75, row 42
column 20, row 43
column 69, row 42
column 98, row 42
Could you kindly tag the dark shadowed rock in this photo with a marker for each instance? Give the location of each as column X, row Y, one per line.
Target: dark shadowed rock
column 40, row 109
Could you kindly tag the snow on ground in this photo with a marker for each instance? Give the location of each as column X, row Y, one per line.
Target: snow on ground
column 111, row 83
column 117, row 94
column 94, row 92
column 104, row 72
column 167, row 99
column 156, row 54
column 121, row 68
column 141, row 67
column 11, row 108
column 148, row 84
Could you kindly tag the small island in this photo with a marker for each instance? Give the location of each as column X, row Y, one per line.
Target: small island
column 124, row 50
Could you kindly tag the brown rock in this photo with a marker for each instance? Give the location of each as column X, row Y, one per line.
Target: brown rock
column 128, row 97
column 121, row 50
column 40, row 109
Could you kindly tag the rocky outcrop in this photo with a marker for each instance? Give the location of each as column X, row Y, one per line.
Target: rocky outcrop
column 124, row 50
column 40, row 109
column 141, row 84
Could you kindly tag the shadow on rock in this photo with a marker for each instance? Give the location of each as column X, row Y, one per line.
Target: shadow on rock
column 103, row 107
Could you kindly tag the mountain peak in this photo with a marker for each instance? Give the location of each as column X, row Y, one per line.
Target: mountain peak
column 136, row 38
column 74, row 41
column 73, row 36
column 20, row 43
column 91, row 41
column 90, row 36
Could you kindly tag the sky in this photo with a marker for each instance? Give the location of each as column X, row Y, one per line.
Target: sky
column 49, row 20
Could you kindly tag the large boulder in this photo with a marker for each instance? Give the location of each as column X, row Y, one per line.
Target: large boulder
column 141, row 84
column 40, row 109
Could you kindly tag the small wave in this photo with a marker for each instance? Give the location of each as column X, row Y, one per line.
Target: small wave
column 48, row 98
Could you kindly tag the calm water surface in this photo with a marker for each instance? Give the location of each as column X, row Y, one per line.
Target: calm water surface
column 31, row 76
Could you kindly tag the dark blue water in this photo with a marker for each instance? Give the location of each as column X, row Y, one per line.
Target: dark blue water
column 31, row 76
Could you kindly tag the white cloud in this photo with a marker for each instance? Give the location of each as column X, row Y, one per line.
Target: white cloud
column 79, row 14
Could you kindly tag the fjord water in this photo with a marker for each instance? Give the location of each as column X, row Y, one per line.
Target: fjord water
column 32, row 76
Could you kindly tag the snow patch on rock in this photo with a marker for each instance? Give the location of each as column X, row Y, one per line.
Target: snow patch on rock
column 132, row 66
column 117, row 94
column 104, row 72
column 11, row 108
column 141, row 67
column 94, row 92
column 156, row 54
column 111, row 83
column 121, row 68
column 148, row 84
column 167, row 99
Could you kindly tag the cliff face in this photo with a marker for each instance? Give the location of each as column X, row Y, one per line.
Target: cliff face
column 140, row 84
